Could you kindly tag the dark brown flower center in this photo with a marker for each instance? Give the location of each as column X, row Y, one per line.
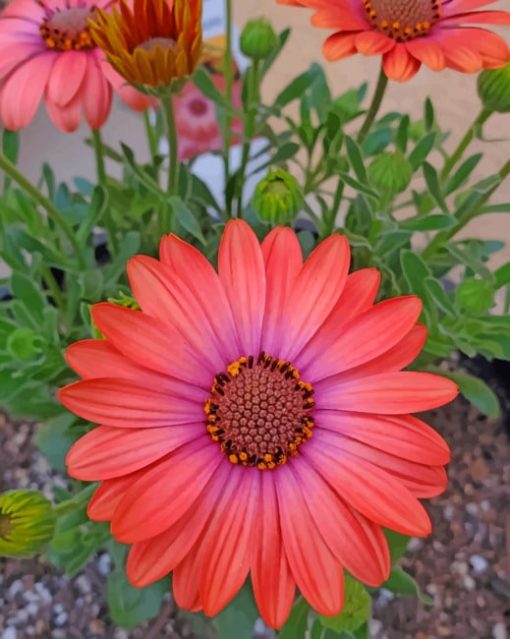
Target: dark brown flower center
column 67, row 29
column 260, row 411
column 403, row 19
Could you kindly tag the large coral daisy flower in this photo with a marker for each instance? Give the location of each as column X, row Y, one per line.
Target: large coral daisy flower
column 46, row 50
column 257, row 420
column 409, row 33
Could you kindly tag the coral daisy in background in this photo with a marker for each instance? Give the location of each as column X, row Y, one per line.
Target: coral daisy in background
column 197, row 120
column 409, row 33
column 46, row 50
column 257, row 420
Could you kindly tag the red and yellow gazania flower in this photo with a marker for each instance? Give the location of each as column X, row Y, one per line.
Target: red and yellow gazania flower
column 257, row 420
column 155, row 43
column 409, row 33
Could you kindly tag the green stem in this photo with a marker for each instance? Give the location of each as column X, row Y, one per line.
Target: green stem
column 471, row 133
column 99, row 153
column 228, row 72
column 337, row 200
column 441, row 238
column 151, row 137
column 53, row 213
column 79, row 500
column 249, row 131
column 372, row 112
column 97, row 143
column 167, row 103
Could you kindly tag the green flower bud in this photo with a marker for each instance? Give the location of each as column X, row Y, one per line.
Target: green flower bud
column 27, row 523
column 494, row 89
column 278, row 198
column 258, row 39
column 390, row 172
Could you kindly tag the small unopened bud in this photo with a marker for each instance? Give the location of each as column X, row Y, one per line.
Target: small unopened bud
column 390, row 172
column 494, row 89
column 27, row 523
column 278, row 198
column 258, row 39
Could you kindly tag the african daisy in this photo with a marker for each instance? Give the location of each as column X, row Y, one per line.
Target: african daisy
column 256, row 420
column 46, row 51
column 409, row 33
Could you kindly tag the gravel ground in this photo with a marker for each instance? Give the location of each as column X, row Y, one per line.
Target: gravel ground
column 464, row 566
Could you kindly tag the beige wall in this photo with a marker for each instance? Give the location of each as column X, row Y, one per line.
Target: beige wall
column 454, row 96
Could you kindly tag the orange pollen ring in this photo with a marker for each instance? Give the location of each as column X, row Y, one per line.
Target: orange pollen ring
column 259, row 412
column 68, row 30
column 403, row 19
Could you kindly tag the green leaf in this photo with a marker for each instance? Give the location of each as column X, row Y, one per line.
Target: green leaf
column 429, row 115
column 54, row 438
column 502, row 276
column 129, row 606
column 297, row 623
column 204, row 82
column 295, row 89
column 24, row 289
column 237, row 620
column 428, row 223
column 356, row 610
column 10, row 145
column 477, row 392
column 402, row 134
column 463, row 173
column 356, row 159
column 186, row 218
column 475, row 297
column 422, row 150
column 440, row 296
column 403, row 584
column 434, row 185
column 397, row 543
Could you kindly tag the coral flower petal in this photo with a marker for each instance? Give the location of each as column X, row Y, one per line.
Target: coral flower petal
column 242, row 273
column 109, row 495
column 318, row 574
column 405, row 436
column 145, row 339
column 358, row 296
column 399, row 64
column 97, row 94
column 283, row 260
column 66, row 77
column 25, row 86
column 368, row 336
column 351, row 538
column 198, row 274
column 370, row 490
column 105, row 452
column 421, row 480
column 154, row 558
column 169, row 299
column 228, row 542
column 397, row 358
column 317, row 289
column 124, row 404
column 165, row 493
column 390, row 394
column 273, row 583
column 340, row 45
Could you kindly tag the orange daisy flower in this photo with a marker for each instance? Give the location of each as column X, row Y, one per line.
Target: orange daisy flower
column 153, row 44
column 257, row 420
column 409, row 33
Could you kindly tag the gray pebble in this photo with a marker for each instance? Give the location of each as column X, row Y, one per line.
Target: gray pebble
column 499, row 631
column 479, row 564
column 10, row 633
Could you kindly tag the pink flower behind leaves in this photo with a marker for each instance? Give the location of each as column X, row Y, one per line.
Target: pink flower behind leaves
column 256, row 420
column 46, row 52
column 197, row 120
